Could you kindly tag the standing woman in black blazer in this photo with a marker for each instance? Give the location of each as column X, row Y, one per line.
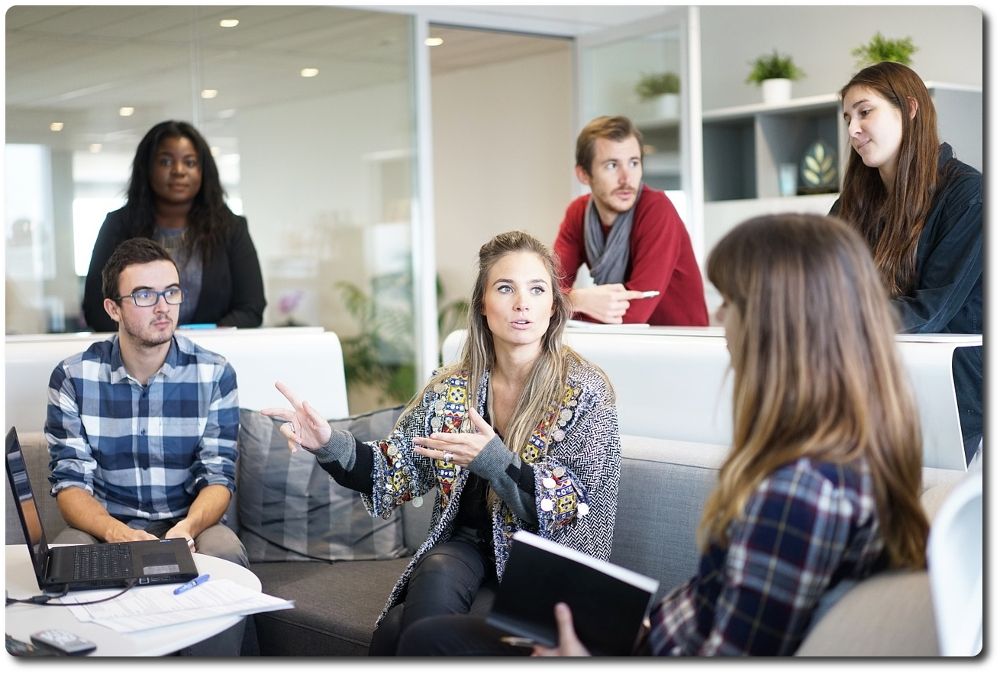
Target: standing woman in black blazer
column 176, row 198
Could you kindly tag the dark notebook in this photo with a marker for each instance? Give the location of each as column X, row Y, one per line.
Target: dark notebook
column 88, row 567
column 609, row 602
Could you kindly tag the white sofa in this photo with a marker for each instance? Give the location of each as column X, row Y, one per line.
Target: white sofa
column 309, row 360
column 673, row 383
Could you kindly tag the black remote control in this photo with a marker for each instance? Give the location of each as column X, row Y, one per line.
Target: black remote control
column 64, row 642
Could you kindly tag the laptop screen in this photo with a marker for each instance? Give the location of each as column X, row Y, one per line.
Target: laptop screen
column 24, row 498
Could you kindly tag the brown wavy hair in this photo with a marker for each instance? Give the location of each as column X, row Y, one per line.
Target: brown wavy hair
column 615, row 129
column 891, row 220
column 816, row 372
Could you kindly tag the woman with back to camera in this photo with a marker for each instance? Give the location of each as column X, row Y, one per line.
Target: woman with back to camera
column 821, row 485
column 921, row 211
column 520, row 433
column 176, row 198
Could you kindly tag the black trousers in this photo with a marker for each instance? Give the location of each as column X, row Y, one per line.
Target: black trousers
column 461, row 635
column 454, row 578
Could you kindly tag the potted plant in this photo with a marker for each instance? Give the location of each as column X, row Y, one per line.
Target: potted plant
column 661, row 89
column 881, row 48
column 774, row 73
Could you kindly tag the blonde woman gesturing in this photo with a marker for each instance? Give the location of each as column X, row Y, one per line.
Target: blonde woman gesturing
column 520, row 433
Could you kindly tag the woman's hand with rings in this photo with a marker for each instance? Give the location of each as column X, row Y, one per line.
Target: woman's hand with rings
column 304, row 427
column 457, row 448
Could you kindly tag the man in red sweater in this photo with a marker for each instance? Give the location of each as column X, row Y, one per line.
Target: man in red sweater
column 631, row 237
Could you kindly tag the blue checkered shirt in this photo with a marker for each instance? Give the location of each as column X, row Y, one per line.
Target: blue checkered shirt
column 144, row 452
column 808, row 526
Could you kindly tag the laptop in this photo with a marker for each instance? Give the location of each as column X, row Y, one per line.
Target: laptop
column 90, row 567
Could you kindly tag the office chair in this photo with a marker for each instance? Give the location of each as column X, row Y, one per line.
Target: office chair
column 955, row 567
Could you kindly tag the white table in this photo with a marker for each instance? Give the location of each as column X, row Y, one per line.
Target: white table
column 21, row 620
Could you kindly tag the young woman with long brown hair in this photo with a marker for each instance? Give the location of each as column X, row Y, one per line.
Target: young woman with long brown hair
column 921, row 211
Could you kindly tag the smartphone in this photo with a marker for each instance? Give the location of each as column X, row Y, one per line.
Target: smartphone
column 63, row 642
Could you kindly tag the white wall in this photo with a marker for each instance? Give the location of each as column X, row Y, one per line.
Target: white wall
column 503, row 157
column 949, row 40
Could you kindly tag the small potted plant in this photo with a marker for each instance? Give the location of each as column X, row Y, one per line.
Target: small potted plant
column 662, row 90
column 881, row 48
column 774, row 73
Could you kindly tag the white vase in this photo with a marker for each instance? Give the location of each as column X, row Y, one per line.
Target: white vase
column 778, row 90
column 668, row 106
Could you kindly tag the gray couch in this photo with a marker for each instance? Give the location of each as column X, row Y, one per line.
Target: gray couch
column 663, row 488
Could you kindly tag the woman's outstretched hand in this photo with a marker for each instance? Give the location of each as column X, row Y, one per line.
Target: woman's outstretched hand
column 305, row 428
column 569, row 644
column 457, row 448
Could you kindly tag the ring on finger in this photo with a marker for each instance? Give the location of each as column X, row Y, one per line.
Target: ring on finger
column 448, row 457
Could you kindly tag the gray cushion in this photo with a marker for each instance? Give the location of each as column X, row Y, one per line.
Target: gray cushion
column 291, row 510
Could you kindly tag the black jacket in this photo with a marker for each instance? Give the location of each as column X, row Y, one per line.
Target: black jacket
column 948, row 293
column 232, row 289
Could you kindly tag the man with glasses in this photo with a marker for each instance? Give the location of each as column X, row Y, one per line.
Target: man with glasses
column 142, row 427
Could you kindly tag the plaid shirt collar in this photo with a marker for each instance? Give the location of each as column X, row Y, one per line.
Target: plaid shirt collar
column 120, row 374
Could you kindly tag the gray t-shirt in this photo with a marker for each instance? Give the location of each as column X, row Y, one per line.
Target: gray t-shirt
column 188, row 266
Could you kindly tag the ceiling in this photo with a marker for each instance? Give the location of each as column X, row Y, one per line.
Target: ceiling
column 80, row 64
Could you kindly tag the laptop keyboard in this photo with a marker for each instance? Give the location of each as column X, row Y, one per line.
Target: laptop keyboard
column 112, row 560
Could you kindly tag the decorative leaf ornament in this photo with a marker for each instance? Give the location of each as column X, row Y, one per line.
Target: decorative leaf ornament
column 819, row 168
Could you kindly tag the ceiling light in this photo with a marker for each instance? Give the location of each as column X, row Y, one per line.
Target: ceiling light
column 95, row 148
column 56, row 126
column 229, row 23
column 309, row 72
column 126, row 111
column 434, row 41
column 209, row 93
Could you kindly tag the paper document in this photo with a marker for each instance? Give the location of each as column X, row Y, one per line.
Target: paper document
column 143, row 608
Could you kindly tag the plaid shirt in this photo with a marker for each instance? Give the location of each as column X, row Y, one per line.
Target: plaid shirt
column 807, row 526
column 144, row 452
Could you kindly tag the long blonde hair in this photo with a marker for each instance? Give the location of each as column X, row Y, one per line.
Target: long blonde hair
column 815, row 371
column 547, row 380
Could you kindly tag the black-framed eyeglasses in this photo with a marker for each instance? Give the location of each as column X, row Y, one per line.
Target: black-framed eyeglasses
column 147, row 297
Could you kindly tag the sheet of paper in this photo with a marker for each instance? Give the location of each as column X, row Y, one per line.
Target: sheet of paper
column 144, row 608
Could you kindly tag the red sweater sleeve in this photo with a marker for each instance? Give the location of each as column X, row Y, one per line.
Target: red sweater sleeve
column 569, row 248
column 658, row 237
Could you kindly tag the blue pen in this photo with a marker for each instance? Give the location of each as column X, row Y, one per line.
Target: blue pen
column 192, row 583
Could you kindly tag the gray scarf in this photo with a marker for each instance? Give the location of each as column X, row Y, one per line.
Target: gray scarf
column 608, row 258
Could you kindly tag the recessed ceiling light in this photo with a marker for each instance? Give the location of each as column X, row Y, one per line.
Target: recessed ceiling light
column 56, row 126
column 309, row 72
column 209, row 93
column 434, row 41
column 126, row 111
column 229, row 23
column 95, row 148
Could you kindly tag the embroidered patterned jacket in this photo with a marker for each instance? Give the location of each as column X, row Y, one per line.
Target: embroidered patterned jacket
column 576, row 480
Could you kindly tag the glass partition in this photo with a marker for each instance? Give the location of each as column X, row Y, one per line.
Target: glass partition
column 311, row 117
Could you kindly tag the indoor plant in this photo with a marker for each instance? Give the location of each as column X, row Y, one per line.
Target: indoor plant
column 662, row 90
column 774, row 73
column 881, row 48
